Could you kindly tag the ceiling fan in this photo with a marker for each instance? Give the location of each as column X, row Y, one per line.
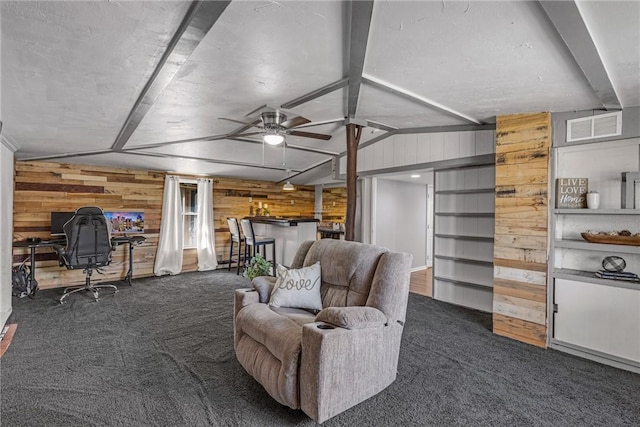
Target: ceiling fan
column 274, row 126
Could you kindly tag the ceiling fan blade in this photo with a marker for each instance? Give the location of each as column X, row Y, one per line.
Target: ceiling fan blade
column 247, row 134
column 238, row 121
column 309, row 135
column 296, row 121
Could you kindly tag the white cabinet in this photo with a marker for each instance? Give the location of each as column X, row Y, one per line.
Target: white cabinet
column 593, row 317
column 602, row 318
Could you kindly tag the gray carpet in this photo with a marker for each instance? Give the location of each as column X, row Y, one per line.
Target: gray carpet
column 160, row 353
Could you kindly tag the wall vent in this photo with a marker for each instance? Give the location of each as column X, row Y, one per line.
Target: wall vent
column 601, row 126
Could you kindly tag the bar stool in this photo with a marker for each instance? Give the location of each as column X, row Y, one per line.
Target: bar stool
column 251, row 240
column 234, row 230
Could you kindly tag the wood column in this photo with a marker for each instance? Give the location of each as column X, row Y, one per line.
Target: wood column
column 523, row 145
column 353, row 139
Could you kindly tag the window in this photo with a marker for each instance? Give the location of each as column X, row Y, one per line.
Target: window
column 189, row 195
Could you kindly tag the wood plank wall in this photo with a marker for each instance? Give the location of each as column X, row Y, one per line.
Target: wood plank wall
column 231, row 199
column 334, row 204
column 44, row 187
column 523, row 145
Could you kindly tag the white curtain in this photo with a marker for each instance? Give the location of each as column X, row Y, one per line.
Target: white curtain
column 205, row 233
column 169, row 255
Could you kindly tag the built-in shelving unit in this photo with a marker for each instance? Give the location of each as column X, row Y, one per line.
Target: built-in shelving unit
column 590, row 316
column 463, row 234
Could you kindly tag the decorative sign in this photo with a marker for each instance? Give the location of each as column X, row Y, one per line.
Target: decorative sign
column 571, row 193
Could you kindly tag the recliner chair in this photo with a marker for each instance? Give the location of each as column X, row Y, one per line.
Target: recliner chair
column 88, row 247
column 327, row 362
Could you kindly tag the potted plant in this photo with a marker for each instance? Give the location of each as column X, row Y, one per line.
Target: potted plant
column 258, row 266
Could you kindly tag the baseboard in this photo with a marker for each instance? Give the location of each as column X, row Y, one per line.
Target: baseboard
column 419, row 268
column 4, row 316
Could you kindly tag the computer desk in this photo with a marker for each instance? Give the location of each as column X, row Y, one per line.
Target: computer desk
column 115, row 241
column 130, row 240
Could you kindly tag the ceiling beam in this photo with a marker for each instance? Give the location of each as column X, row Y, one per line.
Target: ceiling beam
column 448, row 128
column 198, row 21
column 388, row 87
column 569, row 23
column 381, row 126
column 311, row 150
column 180, row 141
column 64, row 155
column 316, row 93
column 220, row 162
column 293, row 147
column 361, row 12
column 317, row 165
column 373, row 141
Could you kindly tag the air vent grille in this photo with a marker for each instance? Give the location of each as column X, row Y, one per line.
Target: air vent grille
column 601, row 126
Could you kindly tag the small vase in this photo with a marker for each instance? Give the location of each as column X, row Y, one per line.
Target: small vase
column 593, row 200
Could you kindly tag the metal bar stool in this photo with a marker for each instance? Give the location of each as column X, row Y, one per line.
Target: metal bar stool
column 234, row 230
column 252, row 243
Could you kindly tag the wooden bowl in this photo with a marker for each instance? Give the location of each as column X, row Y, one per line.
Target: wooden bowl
column 611, row 240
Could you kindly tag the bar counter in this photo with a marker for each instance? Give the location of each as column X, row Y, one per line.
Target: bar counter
column 289, row 233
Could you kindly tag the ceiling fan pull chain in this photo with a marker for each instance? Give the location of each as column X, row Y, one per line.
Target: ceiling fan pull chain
column 284, row 155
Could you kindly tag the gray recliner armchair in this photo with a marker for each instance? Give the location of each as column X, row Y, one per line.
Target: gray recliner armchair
column 327, row 362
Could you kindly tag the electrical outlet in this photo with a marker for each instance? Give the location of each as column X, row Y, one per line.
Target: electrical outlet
column 250, row 199
column 291, row 201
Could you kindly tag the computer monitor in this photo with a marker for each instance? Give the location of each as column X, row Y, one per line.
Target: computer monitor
column 58, row 219
column 126, row 222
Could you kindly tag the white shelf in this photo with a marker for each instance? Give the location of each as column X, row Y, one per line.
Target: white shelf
column 465, row 260
column 599, row 247
column 467, row 214
column 462, row 283
column 589, row 277
column 464, row 237
column 471, row 191
column 597, row 211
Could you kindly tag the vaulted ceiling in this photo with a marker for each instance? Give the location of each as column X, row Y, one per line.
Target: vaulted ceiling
column 145, row 84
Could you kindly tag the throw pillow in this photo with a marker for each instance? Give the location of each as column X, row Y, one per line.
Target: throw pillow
column 297, row 288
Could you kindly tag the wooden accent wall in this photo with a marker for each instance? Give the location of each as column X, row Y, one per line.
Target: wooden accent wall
column 231, row 199
column 523, row 145
column 44, row 187
column 334, row 204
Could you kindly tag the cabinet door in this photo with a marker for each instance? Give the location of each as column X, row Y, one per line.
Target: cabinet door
column 599, row 317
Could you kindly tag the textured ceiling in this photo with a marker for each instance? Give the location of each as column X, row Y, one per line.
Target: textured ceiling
column 72, row 74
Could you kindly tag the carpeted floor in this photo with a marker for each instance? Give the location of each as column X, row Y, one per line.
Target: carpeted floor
column 160, row 353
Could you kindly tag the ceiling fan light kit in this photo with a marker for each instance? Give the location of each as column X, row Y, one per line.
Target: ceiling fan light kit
column 272, row 137
column 274, row 126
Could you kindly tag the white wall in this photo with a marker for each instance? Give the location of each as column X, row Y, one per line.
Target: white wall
column 418, row 148
column 401, row 218
column 6, row 229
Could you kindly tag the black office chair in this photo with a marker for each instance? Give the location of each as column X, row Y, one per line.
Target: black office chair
column 88, row 247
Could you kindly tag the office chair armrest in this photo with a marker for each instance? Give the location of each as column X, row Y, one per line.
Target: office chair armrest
column 62, row 253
